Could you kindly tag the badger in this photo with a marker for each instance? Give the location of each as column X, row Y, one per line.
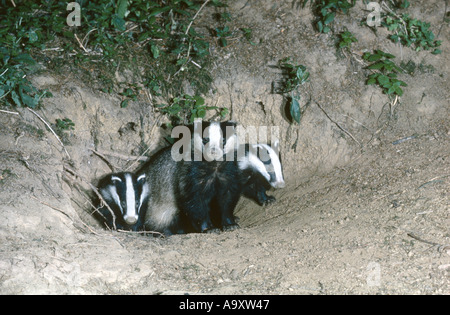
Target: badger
column 162, row 204
column 200, row 194
column 197, row 194
column 260, row 171
column 126, row 194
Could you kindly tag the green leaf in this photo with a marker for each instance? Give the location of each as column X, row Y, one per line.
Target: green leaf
column 32, row 36
column 383, row 80
column 320, row 26
column 122, row 6
column 437, row 52
column 24, row 58
column 159, row 11
column 399, row 91
column 376, row 66
column 199, row 101
column 155, row 51
column 118, row 23
column 296, row 113
column 329, row 18
column 373, row 58
column 124, row 104
column 16, row 98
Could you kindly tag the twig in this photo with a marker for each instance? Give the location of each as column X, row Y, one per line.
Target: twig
column 54, row 208
column 443, row 20
column 148, row 149
column 111, row 166
column 339, row 126
column 54, row 133
column 436, row 179
column 1, row 75
column 61, row 211
column 13, row 3
column 440, row 247
column 195, row 16
column 81, row 45
column 121, row 156
column 67, row 169
column 405, row 139
column 8, row 112
column 142, row 232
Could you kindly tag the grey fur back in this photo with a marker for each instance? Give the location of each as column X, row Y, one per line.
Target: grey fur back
column 162, row 209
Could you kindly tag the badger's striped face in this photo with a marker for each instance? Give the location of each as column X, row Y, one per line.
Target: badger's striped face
column 263, row 159
column 215, row 140
column 127, row 193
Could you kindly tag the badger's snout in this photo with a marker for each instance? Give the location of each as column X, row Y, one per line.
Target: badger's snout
column 130, row 219
column 279, row 184
column 214, row 152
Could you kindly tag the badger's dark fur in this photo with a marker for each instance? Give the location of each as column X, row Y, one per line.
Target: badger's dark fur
column 193, row 195
column 125, row 194
column 201, row 195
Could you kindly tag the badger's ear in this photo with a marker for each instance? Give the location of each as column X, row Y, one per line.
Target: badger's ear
column 115, row 178
column 141, row 178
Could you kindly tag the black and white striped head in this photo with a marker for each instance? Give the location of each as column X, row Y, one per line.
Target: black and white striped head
column 125, row 193
column 214, row 139
column 263, row 159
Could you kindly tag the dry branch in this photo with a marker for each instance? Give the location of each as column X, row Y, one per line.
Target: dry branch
column 338, row 125
column 48, row 126
column 67, row 169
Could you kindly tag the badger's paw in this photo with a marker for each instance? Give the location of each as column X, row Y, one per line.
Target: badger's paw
column 231, row 227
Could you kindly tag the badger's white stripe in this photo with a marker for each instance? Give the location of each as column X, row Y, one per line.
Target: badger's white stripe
column 213, row 150
column 112, row 193
column 255, row 163
column 144, row 193
column 130, row 198
column 275, row 166
column 215, row 135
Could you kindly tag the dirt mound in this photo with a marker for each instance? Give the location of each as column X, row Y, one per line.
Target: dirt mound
column 365, row 209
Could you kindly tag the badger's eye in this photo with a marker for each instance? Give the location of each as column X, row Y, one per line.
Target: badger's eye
column 205, row 140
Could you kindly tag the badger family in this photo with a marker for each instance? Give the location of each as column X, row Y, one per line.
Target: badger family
column 192, row 188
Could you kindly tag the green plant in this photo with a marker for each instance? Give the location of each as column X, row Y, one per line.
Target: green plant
column 385, row 72
column 186, row 108
column 223, row 33
column 326, row 11
column 130, row 93
column 65, row 124
column 412, row 32
column 113, row 35
column 346, row 39
column 21, row 32
column 296, row 76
